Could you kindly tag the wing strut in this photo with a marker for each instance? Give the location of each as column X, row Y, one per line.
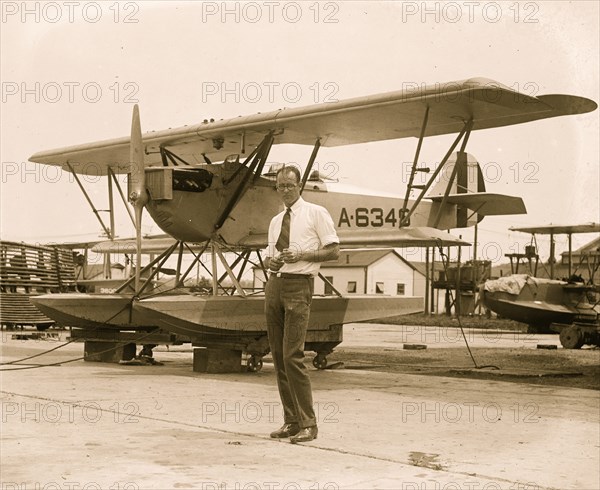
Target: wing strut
column 162, row 257
column 234, row 280
column 123, row 198
column 193, row 264
column 415, row 169
column 310, row 164
column 237, row 260
column 258, row 162
column 108, row 231
column 466, row 128
column 461, row 160
column 172, row 157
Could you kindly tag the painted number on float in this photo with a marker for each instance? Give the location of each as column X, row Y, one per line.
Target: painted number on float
column 365, row 217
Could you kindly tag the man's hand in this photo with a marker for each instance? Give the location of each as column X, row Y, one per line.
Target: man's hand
column 290, row 256
column 275, row 263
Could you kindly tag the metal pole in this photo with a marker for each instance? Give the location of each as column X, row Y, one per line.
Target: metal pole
column 214, row 269
column 570, row 254
column 432, row 280
column 111, row 209
column 475, row 245
column 551, row 255
column 457, row 300
column 426, row 280
column 179, row 259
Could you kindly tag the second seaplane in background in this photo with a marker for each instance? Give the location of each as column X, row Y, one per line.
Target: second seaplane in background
column 569, row 306
column 227, row 206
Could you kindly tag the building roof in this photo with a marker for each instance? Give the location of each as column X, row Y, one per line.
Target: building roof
column 437, row 266
column 592, row 248
column 363, row 258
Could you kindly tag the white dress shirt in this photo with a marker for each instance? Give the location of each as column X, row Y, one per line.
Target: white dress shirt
column 311, row 228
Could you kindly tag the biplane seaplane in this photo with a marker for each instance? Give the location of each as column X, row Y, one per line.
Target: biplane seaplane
column 206, row 184
column 568, row 306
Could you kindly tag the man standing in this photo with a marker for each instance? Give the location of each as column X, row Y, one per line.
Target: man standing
column 300, row 238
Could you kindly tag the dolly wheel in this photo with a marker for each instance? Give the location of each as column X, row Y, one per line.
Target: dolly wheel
column 571, row 337
column 255, row 364
column 320, row 361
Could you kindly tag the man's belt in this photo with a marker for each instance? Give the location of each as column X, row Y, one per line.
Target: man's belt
column 287, row 275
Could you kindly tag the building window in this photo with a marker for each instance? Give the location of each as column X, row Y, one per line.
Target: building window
column 400, row 289
column 379, row 287
column 352, row 286
column 328, row 285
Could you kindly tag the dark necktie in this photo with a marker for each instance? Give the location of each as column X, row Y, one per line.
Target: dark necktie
column 284, row 235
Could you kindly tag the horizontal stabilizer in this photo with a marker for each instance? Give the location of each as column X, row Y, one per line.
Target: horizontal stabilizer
column 486, row 203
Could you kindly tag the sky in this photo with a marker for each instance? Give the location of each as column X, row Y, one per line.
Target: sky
column 71, row 72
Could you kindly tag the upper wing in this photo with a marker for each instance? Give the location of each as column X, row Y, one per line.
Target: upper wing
column 379, row 117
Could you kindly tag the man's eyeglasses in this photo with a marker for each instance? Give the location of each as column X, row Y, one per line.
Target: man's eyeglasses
column 285, row 187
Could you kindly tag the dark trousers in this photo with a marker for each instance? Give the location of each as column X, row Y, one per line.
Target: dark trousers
column 287, row 308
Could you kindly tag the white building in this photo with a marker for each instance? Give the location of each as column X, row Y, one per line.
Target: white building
column 366, row 271
column 373, row 271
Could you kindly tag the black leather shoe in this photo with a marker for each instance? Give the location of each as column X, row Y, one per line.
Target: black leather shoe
column 305, row 435
column 286, row 430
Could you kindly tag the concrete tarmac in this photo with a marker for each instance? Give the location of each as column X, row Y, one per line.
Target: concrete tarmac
column 87, row 425
column 394, row 336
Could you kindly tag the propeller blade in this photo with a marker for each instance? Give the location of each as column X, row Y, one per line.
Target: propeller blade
column 138, row 196
column 137, row 177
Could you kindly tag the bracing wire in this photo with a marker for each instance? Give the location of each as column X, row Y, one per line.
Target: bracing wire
column 445, row 260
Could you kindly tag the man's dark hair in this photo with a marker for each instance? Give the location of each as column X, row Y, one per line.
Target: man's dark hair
column 290, row 168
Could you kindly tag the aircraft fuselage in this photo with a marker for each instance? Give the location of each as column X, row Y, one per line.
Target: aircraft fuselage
column 200, row 196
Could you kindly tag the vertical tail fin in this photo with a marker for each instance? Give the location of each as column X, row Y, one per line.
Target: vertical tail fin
column 461, row 175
